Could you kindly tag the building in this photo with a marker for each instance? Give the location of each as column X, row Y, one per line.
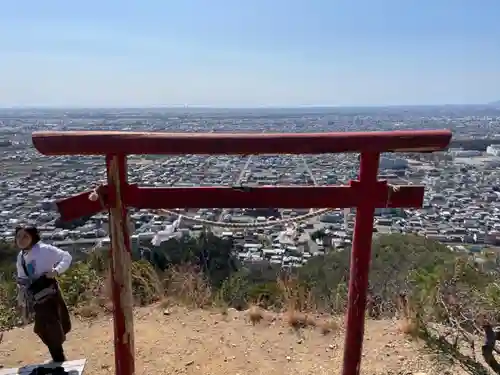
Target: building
column 461, row 153
column 493, row 150
column 387, row 162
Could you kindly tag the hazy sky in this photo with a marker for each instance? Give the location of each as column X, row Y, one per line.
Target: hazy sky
column 248, row 53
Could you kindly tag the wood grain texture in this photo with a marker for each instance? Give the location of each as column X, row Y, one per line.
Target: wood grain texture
column 128, row 143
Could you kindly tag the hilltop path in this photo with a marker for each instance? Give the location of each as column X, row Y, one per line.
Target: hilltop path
column 204, row 342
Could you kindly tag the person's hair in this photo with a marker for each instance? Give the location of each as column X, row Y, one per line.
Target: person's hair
column 32, row 231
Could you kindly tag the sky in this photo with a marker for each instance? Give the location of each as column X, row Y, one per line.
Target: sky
column 239, row 53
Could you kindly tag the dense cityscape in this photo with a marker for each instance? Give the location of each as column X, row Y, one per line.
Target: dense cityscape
column 461, row 208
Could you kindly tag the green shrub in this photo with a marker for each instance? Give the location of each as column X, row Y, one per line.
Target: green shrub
column 80, row 284
column 9, row 316
column 146, row 284
column 265, row 294
column 234, row 291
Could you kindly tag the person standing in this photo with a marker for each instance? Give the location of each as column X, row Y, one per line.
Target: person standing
column 38, row 265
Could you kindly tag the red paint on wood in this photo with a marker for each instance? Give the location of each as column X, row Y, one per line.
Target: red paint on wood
column 408, row 196
column 360, row 265
column 80, row 205
column 365, row 194
column 120, row 267
column 127, row 143
column 273, row 196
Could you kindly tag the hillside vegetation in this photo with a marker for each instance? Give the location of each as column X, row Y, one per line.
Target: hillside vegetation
column 438, row 295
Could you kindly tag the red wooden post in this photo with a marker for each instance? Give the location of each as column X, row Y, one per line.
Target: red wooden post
column 360, row 264
column 365, row 194
column 121, row 285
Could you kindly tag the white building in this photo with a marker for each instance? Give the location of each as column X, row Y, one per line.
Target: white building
column 493, row 150
column 387, row 162
column 461, row 153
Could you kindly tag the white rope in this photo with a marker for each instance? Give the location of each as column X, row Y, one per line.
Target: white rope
column 95, row 195
column 262, row 225
column 269, row 223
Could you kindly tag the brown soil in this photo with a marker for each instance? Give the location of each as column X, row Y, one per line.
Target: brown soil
column 178, row 341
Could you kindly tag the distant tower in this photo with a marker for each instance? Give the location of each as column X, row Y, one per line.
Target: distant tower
column 347, row 211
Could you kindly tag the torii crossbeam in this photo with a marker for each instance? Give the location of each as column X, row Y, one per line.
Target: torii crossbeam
column 366, row 194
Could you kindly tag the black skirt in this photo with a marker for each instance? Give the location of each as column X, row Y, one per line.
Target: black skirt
column 52, row 320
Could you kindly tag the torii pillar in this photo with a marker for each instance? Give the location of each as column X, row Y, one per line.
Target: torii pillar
column 366, row 194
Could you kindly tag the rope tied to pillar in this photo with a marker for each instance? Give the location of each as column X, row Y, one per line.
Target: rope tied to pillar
column 96, row 195
column 390, row 190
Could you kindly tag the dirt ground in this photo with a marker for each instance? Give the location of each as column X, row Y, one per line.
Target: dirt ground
column 177, row 341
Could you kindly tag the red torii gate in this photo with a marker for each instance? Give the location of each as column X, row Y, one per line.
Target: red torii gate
column 366, row 194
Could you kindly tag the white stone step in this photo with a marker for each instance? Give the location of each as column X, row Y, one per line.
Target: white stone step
column 71, row 367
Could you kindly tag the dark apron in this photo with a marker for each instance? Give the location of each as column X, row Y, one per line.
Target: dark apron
column 52, row 320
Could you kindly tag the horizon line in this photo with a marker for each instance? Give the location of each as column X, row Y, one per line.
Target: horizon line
column 258, row 107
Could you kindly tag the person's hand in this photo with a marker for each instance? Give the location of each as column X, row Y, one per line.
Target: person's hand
column 52, row 274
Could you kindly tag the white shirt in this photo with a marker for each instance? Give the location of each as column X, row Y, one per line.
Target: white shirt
column 43, row 258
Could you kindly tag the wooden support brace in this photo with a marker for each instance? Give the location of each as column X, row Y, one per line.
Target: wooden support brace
column 384, row 195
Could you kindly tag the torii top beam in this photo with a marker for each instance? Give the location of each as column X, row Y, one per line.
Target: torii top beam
column 129, row 143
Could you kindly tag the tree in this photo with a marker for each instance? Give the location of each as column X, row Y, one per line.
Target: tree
column 318, row 234
column 209, row 253
column 394, row 257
